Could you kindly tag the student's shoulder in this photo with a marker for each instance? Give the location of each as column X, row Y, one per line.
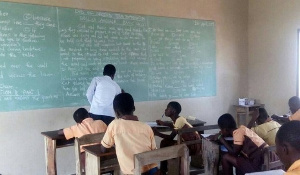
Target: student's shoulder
column 137, row 124
column 274, row 123
column 99, row 122
column 181, row 119
column 241, row 129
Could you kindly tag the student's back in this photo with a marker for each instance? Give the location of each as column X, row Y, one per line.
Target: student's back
column 246, row 155
column 84, row 125
column 87, row 126
column 266, row 128
column 128, row 135
column 267, row 131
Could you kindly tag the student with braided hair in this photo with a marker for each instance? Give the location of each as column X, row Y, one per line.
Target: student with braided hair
column 288, row 146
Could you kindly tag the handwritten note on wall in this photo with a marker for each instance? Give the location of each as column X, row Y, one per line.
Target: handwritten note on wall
column 48, row 55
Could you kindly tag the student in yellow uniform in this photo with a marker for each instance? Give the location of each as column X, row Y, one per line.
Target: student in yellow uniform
column 294, row 104
column 128, row 135
column 266, row 127
column 173, row 109
column 288, row 146
column 84, row 125
column 246, row 154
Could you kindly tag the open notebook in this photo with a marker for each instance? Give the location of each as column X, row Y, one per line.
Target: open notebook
column 154, row 124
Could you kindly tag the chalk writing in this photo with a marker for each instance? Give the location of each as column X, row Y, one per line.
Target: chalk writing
column 48, row 55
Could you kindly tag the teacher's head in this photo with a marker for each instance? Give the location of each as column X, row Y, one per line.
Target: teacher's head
column 109, row 70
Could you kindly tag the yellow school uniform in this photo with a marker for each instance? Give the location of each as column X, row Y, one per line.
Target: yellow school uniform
column 130, row 137
column 267, row 131
column 295, row 116
column 294, row 169
column 87, row 126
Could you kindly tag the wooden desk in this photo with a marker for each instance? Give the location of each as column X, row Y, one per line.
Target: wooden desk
column 53, row 141
column 211, row 156
column 245, row 110
column 93, row 160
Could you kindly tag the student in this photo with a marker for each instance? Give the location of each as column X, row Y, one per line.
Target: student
column 246, row 155
column 294, row 104
column 173, row 110
column 288, row 146
column 128, row 135
column 85, row 125
column 266, row 127
column 101, row 94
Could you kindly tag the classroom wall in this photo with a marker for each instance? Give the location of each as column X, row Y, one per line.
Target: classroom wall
column 22, row 146
column 272, row 76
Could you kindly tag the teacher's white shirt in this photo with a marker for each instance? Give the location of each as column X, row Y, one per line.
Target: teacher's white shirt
column 101, row 94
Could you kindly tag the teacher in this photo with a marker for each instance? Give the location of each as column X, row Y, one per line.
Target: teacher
column 101, row 94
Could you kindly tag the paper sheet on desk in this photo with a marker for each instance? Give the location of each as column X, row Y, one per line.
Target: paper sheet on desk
column 205, row 135
column 154, row 124
column 226, row 138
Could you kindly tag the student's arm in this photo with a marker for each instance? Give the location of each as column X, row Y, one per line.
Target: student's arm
column 60, row 132
column 235, row 150
column 165, row 136
column 253, row 119
column 169, row 124
column 280, row 119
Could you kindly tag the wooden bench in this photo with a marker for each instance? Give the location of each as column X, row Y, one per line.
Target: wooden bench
column 271, row 160
column 199, row 129
column 177, row 151
column 195, row 158
column 108, row 165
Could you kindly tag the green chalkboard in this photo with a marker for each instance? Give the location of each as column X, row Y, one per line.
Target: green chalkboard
column 49, row 55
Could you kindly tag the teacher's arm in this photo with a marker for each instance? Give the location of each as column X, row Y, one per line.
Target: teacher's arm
column 91, row 91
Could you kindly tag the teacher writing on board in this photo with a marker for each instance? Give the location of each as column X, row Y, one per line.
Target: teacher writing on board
column 101, row 94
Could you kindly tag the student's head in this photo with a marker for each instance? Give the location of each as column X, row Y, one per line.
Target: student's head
column 173, row 108
column 288, row 143
column 226, row 124
column 294, row 104
column 123, row 104
column 80, row 114
column 263, row 116
column 109, row 70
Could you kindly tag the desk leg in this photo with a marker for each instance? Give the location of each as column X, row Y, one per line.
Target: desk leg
column 173, row 166
column 50, row 151
column 92, row 164
column 238, row 119
column 210, row 157
column 247, row 116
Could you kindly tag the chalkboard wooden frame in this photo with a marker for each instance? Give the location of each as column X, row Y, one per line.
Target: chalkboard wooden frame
column 48, row 55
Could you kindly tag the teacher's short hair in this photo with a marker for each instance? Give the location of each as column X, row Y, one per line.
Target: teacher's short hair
column 109, row 70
